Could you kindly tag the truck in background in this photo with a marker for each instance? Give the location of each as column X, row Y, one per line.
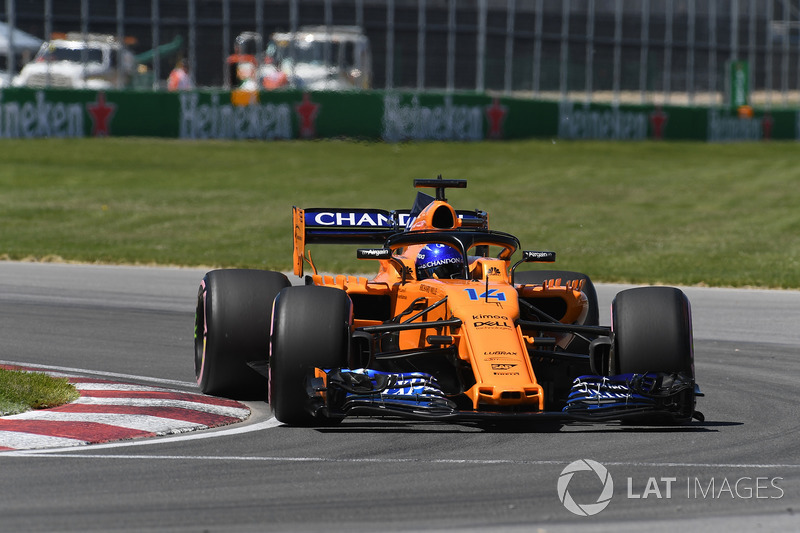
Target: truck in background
column 315, row 58
column 79, row 61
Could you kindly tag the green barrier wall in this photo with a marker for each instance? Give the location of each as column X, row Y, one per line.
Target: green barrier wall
column 372, row 115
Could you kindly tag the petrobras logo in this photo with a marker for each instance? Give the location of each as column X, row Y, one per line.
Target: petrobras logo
column 610, row 392
column 353, row 218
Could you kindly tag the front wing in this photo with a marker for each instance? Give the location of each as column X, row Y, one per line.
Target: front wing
column 339, row 393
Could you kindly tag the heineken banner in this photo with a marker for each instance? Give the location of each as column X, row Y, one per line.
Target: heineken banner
column 372, row 115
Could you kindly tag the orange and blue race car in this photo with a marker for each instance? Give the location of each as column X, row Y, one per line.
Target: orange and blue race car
column 447, row 330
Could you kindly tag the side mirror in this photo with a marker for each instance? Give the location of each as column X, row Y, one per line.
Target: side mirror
column 538, row 257
column 373, row 253
column 529, row 256
column 382, row 254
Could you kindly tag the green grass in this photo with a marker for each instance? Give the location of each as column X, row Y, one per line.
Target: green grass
column 649, row 212
column 21, row 391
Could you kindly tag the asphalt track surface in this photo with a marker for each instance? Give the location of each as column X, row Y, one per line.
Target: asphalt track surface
column 740, row 469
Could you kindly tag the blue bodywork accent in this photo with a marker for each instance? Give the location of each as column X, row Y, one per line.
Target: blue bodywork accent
column 625, row 391
column 371, row 388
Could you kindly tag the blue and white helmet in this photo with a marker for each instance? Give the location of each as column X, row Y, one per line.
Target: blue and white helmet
column 439, row 260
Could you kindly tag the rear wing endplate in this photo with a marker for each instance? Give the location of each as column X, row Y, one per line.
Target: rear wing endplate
column 341, row 226
column 316, row 225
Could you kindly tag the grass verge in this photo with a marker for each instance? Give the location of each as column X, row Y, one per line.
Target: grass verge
column 21, row 391
column 649, row 212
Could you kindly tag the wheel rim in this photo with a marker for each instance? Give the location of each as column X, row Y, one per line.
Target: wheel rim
column 200, row 333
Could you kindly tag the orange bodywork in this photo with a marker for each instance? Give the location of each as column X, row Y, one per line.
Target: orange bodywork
column 487, row 343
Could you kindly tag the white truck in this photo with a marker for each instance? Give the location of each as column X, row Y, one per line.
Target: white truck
column 315, row 58
column 79, row 61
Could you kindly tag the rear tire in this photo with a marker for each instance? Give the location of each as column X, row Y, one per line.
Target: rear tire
column 652, row 331
column 232, row 321
column 310, row 329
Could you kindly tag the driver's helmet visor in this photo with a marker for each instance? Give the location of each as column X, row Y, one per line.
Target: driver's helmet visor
column 439, row 261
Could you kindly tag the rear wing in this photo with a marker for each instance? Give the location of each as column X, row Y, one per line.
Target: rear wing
column 340, row 226
column 319, row 225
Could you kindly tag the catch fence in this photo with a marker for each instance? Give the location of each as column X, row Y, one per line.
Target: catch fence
column 681, row 52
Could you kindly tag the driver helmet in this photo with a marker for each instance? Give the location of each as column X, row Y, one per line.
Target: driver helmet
column 440, row 261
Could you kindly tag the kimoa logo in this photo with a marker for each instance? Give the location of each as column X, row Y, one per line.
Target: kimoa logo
column 586, row 509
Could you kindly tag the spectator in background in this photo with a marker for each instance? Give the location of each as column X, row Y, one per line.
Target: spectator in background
column 179, row 79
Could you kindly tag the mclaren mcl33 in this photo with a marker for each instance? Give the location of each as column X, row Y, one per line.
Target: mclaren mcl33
column 447, row 329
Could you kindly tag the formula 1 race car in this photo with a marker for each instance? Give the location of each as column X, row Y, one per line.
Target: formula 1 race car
column 446, row 330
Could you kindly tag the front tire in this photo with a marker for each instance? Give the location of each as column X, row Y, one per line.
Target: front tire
column 232, row 320
column 310, row 329
column 652, row 331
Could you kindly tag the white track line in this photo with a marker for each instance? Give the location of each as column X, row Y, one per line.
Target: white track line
column 127, row 387
column 272, row 423
column 382, row 460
